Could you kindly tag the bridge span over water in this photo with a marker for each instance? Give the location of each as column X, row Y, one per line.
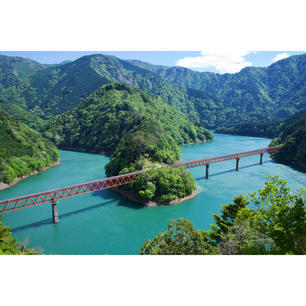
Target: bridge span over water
column 52, row 196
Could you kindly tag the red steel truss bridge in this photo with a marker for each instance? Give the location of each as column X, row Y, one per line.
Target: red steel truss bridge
column 52, row 196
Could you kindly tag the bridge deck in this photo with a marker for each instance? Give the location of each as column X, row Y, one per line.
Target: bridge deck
column 36, row 199
column 213, row 160
column 65, row 192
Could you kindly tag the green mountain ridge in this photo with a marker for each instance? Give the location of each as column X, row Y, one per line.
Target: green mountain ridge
column 14, row 69
column 99, row 121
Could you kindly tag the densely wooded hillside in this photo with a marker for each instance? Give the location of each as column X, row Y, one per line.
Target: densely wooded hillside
column 19, row 113
column 293, row 138
column 22, row 150
column 114, row 110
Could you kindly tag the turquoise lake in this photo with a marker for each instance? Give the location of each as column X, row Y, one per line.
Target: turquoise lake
column 106, row 223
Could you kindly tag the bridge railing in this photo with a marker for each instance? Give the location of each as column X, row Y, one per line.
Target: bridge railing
column 65, row 192
column 213, row 160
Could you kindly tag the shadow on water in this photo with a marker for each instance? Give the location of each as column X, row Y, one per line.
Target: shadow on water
column 121, row 200
column 66, row 215
column 233, row 170
column 108, row 195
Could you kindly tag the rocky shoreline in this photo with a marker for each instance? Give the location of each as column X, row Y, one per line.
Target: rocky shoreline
column 151, row 203
column 18, row 179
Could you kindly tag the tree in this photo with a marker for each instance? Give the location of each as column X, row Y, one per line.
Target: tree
column 279, row 214
column 226, row 219
column 180, row 239
column 9, row 245
column 241, row 238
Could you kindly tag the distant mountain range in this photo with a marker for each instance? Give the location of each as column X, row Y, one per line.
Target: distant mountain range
column 254, row 94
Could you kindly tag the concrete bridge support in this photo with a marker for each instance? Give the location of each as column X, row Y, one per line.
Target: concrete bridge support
column 237, row 164
column 54, row 212
column 260, row 161
column 207, row 171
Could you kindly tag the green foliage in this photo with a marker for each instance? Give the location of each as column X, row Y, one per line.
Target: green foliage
column 18, row 113
column 279, row 214
column 270, row 221
column 22, row 150
column 267, row 129
column 10, row 246
column 180, row 239
column 14, row 69
column 162, row 185
column 118, row 112
column 226, row 219
column 273, row 223
column 292, row 138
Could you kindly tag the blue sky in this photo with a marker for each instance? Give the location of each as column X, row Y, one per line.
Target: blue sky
column 221, row 62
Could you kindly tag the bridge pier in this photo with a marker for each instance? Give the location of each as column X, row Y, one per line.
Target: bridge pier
column 260, row 161
column 54, row 212
column 207, row 171
column 237, row 164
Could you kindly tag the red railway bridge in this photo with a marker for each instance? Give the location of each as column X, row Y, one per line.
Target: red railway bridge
column 52, row 196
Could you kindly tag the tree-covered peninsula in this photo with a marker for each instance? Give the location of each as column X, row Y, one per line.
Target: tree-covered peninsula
column 23, row 151
column 139, row 130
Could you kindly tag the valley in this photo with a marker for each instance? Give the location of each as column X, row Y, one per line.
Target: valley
column 137, row 116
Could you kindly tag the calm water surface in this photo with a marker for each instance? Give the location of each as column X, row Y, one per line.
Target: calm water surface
column 106, row 223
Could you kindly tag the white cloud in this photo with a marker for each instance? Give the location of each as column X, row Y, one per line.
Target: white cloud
column 230, row 62
column 280, row 56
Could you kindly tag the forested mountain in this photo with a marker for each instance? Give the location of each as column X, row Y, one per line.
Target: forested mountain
column 22, row 150
column 100, row 121
column 293, row 138
column 15, row 69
